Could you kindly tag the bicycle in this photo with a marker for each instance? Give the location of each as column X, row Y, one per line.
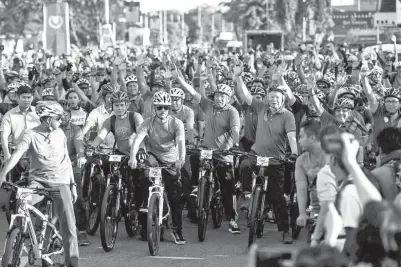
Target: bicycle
column 93, row 193
column 118, row 200
column 258, row 197
column 209, row 197
column 157, row 202
column 45, row 243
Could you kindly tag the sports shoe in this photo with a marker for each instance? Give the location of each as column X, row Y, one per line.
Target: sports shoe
column 233, row 227
column 178, row 238
column 83, row 239
column 194, row 192
column 287, row 239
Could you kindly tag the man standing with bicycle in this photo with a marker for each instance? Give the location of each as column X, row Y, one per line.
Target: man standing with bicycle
column 165, row 142
column 221, row 131
column 275, row 126
column 51, row 168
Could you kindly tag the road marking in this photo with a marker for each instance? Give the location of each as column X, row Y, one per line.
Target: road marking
column 221, row 255
column 177, row 258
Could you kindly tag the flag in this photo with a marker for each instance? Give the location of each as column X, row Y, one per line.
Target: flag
column 56, row 28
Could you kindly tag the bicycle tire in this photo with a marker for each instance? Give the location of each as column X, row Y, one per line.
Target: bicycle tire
column 15, row 237
column 109, row 202
column 153, row 226
column 260, row 225
column 11, row 205
column 131, row 216
column 52, row 245
column 217, row 211
column 203, row 210
column 254, row 215
column 93, row 203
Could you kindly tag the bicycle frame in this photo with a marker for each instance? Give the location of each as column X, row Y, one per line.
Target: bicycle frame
column 259, row 180
column 158, row 189
column 24, row 211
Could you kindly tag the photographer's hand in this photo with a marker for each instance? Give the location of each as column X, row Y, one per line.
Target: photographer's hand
column 350, row 150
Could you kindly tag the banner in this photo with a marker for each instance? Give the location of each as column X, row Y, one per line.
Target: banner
column 56, row 28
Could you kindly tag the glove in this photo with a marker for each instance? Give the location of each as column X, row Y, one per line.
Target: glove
column 141, row 155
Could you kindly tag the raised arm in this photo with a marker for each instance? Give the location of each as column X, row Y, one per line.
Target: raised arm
column 242, row 92
column 187, row 87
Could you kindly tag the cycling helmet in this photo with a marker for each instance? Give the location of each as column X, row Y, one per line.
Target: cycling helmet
column 230, row 83
column 11, row 74
column 326, row 81
column 302, row 89
column 392, row 92
column 258, row 80
column 49, row 108
column 224, row 89
column 159, row 83
column 277, row 88
column 131, row 78
column 259, row 91
column 106, row 89
column 247, row 77
column 82, row 81
column 119, row 96
column 47, row 92
column 374, row 75
column 344, row 103
column 177, row 92
column 350, row 92
column 13, row 86
column 162, row 98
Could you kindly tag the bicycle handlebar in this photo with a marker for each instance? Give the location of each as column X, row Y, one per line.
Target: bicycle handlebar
column 8, row 186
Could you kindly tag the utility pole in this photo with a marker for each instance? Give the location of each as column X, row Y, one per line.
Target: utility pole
column 107, row 11
column 200, row 24
column 213, row 29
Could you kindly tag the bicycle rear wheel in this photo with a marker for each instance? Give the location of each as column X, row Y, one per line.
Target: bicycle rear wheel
column 254, row 215
column 153, row 226
column 109, row 218
column 13, row 248
column 94, row 202
column 53, row 244
column 203, row 207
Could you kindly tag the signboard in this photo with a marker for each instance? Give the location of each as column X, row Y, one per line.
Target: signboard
column 344, row 21
column 56, row 28
column 133, row 12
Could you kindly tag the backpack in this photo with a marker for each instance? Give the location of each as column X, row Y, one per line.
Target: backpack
column 131, row 116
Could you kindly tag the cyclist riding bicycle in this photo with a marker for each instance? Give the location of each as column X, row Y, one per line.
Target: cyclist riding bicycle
column 136, row 102
column 222, row 132
column 51, row 168
column 165, row 142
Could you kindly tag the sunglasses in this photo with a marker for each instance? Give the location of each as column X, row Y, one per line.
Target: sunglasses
column 83, row 88
column 175, row 98
column 166, row 108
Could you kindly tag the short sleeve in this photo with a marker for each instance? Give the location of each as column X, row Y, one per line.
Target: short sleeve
column 289, row 122
column 326, row 185
column 350, row 207
column 25, row 141
column 107, row 124
column 6, row 123
column 205, row 104
column 257, row 105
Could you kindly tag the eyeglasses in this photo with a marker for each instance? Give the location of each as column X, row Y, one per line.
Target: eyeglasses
column 166, row 108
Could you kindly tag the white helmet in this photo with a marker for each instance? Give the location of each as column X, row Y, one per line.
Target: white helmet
column 162, row 98
column 177, row 92
column 49, row 108
column 222, row 88
column 131, row 78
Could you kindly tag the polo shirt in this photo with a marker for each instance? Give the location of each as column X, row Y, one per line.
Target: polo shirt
column 250, row 123
column 272, row 129
column 219, row 122
column 15, row 122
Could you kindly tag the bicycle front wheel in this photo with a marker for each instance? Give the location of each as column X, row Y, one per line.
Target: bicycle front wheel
column 13, row 249
column 94, row 202
column 131, row 215
column 153, row 226
column 254, row 215
column 217, row 210
column 109, row 218
column 203, row 208
column 53, row 245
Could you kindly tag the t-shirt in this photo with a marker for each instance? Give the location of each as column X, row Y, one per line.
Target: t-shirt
column 186, row 115
column 161, row 137
column 326, row 185
column 96, row 119
column 123, row 131
column 78, row 117
column 48, row 155
column 382, row 121
column 219, row 122
column 350, row 206
column 272, row 129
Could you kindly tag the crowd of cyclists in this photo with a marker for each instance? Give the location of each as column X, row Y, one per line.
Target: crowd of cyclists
column 332, row 112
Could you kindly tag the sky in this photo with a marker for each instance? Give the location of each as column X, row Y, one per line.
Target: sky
column 185, row 5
